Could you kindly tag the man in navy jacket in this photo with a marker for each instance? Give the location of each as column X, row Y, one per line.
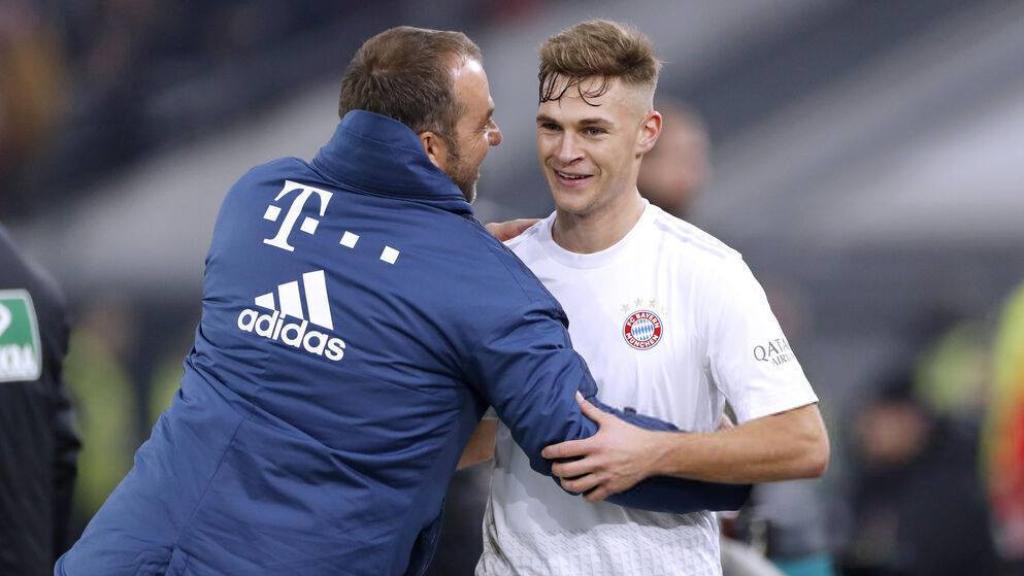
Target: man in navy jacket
column 357, row 321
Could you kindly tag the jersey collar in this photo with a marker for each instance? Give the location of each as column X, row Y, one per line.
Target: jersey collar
column 376, row 154
column 595, row 259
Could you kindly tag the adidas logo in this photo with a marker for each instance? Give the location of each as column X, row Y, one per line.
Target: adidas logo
column 287, row 304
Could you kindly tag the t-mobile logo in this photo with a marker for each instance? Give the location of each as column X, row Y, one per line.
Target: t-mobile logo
column 292, row 216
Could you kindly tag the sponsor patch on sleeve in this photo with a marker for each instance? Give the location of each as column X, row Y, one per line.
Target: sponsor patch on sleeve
column 20, row 351
column 775, row 352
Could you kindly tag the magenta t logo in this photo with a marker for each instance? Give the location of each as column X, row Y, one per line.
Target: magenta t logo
column 308, row 225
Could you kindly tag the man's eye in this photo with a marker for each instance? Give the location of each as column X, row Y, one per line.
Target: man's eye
column 594, row 131
column 550, row 126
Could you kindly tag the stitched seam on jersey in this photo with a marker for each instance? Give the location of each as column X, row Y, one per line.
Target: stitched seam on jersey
column 702, row 241
column 683, row 228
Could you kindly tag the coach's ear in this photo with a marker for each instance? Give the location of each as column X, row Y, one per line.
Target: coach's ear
column 436, row 149
column 650, row 129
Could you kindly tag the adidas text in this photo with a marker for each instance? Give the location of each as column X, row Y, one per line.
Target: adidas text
column 294, row 334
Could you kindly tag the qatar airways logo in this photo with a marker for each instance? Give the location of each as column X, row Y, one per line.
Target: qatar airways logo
column 284, row 317
column 775, row 351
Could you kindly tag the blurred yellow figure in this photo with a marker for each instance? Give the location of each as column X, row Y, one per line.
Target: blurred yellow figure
column 1004, row 433
column 105, row 398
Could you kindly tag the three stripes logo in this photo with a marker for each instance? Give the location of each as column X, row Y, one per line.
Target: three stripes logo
column 285, row 319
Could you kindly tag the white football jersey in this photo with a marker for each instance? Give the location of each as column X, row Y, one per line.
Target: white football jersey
column 672, row 323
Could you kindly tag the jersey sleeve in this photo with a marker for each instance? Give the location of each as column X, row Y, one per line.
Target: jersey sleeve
column 749, row 357
column 530, row 374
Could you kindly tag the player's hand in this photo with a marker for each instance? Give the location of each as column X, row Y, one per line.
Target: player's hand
column 613, row 460
column 509, row 229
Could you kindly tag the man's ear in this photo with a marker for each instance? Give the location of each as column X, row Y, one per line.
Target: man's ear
column 649, row 132
column 436, row 149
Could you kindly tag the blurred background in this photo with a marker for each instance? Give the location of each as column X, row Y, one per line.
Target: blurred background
column 866, row 157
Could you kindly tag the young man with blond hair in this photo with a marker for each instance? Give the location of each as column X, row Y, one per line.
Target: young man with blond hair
column 357, row 321
column 671, row 322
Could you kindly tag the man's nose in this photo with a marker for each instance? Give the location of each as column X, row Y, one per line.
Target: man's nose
column 568, row 151
column 494, row 136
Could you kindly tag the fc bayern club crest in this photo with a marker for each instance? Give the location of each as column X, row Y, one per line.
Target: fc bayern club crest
column 642, row 329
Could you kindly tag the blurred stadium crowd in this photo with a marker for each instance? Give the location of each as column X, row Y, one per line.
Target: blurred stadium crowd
column 915, row 342
column 92, row 86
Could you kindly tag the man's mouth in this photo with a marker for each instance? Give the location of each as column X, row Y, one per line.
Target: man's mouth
column 571, row 178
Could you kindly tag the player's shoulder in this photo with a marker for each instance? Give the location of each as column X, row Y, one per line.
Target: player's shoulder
column 529, row 239
column 686, row 237
column 717, row 266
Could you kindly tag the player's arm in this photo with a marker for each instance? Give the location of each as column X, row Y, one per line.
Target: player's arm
column 785, row 446
column 480, row 447
column 530, row 374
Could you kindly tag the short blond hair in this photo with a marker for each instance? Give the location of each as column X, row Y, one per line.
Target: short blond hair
column 596, row 49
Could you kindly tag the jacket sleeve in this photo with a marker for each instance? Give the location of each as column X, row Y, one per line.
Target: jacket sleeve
column 526, row 368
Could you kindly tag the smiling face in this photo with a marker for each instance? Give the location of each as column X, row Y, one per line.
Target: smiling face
column 590, row 147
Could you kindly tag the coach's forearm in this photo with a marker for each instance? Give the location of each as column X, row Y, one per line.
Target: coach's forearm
column 783, row 446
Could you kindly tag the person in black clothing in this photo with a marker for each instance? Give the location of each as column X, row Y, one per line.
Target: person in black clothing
column 38, row 445
column 917, row 500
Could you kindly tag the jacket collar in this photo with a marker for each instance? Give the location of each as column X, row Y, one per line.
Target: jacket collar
column 381, row 156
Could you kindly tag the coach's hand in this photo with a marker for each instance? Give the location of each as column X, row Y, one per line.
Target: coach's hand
column 509, row 229
column 613, row 460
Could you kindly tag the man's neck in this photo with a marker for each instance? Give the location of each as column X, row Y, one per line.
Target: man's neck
column 600, row 229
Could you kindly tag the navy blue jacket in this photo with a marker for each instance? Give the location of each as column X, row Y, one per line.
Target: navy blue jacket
column 357, row 321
